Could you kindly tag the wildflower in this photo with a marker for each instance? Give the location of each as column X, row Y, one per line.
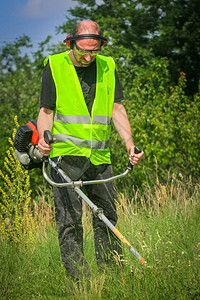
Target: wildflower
column 16, row 220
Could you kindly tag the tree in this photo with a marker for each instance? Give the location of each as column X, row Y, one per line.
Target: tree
column 18, row 88
column 177, row 37
column 169, row 28
column 20, row 83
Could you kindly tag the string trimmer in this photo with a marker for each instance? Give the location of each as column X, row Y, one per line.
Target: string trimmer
column 27, row 153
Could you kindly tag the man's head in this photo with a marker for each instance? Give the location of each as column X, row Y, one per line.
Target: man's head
column 87, row 26
column 86, row 48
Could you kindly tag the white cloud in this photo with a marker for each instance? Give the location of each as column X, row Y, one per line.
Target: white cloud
column 44, row 8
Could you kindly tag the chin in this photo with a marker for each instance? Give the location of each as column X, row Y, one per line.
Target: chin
column 85, row 64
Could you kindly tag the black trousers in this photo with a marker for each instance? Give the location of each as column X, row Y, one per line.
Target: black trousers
column 68, row 209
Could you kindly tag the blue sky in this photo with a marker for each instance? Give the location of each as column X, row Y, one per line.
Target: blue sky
column 35, row 18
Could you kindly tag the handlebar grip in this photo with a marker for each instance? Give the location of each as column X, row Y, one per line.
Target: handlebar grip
column 48, row 137
column 137, row 150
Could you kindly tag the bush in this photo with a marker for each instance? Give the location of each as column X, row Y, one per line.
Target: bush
column 165, row 124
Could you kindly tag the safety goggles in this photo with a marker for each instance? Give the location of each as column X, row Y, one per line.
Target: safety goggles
column 81, row 51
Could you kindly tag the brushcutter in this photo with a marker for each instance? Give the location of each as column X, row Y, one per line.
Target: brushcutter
column 28, row 154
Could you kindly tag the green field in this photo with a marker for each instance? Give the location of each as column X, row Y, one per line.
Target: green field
column 163, row 226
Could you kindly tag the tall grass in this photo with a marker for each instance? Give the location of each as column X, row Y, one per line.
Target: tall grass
column 162, row 224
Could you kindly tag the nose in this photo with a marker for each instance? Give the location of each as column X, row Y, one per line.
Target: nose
column 87, row 57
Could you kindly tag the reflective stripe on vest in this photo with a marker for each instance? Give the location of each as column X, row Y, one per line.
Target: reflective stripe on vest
column 77, row 119
column 81, row 142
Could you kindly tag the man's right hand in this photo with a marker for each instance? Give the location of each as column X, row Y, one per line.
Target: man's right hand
column 44, row 148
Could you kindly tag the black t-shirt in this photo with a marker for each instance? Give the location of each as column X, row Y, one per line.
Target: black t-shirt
column 87, row 78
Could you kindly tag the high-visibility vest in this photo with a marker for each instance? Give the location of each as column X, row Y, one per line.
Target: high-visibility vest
column 76, row 131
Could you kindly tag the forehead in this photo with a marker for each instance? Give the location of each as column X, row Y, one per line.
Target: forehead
column 88, row 42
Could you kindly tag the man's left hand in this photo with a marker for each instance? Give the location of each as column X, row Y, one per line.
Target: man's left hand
column 133, row 157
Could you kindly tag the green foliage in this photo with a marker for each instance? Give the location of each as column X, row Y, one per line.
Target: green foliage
column 20, row 84
column 168, row 28
column 163, row 118
column 19, row 88
column 16, row 222
column 150, row 44
column 177, row 37
column 164, row 123
column 11, row 58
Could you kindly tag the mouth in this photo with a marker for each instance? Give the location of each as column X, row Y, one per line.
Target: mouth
column 85, row 62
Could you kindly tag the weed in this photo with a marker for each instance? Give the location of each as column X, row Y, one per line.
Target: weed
column 16, row 221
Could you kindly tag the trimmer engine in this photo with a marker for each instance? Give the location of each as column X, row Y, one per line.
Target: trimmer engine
column 25, row 143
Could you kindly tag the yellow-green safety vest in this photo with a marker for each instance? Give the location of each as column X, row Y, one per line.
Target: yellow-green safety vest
column 76, row 131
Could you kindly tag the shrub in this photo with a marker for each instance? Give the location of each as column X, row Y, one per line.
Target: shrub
column 165, row 124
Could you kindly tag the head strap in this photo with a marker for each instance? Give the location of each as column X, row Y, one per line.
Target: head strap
column 70, row 37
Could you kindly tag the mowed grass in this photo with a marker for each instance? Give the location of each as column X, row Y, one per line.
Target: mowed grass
column 162, row 225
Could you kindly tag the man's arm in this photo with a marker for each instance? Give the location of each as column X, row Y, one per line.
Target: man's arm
column 122, row 125
column 44, row 122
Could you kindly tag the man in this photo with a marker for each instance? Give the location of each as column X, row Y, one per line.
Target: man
column 80, row 94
